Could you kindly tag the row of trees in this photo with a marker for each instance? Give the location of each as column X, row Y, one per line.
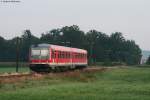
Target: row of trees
column 101, row 47
column 148, row 61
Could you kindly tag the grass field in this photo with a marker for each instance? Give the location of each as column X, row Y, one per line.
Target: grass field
column 10, row 67
column 114, row 84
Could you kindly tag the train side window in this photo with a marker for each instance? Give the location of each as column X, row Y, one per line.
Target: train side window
column 79, row 55
column 62, row 54
column 66, row 55
column 52, row 53
column 72, row 55
column 76, row 55
column 58, row 54
column 69, row 55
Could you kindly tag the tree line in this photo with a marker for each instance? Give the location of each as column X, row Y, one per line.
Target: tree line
column 100, row 46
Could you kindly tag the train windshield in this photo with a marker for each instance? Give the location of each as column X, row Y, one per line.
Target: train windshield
column 39, row 53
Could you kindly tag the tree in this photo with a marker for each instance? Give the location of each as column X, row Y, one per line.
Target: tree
column 52, row 37
column 100, row 46
column 94, row 39
column 73, row 35
column 26, row 40
column 148, row 61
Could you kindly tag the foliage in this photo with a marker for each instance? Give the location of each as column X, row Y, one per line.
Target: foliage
column 148, row 61
column 101, row 47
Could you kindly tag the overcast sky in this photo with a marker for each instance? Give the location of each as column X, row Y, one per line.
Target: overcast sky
column 131, row 17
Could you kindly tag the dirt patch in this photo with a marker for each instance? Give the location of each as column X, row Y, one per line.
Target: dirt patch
column 16, row 77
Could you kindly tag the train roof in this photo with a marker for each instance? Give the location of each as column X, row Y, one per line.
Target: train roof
column 63, row 48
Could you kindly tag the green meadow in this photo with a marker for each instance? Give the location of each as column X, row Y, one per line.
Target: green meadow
column 113, row 84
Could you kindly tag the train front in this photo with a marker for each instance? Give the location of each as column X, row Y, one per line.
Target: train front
column 39, row 58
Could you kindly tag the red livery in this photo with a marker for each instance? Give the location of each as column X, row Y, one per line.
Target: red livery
column 45, row 57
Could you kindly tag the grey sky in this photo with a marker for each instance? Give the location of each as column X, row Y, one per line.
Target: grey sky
column 131, row 17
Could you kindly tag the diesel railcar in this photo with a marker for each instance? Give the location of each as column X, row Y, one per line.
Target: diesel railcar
column 47, row 57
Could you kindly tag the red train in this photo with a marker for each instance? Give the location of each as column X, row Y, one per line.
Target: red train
column 47, row 57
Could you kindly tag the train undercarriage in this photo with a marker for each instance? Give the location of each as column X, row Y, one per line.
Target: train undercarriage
column 47, row 68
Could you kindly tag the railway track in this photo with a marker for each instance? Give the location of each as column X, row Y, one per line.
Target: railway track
column 15, row 77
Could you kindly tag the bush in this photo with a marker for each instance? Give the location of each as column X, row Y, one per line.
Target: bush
column 108, row 63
